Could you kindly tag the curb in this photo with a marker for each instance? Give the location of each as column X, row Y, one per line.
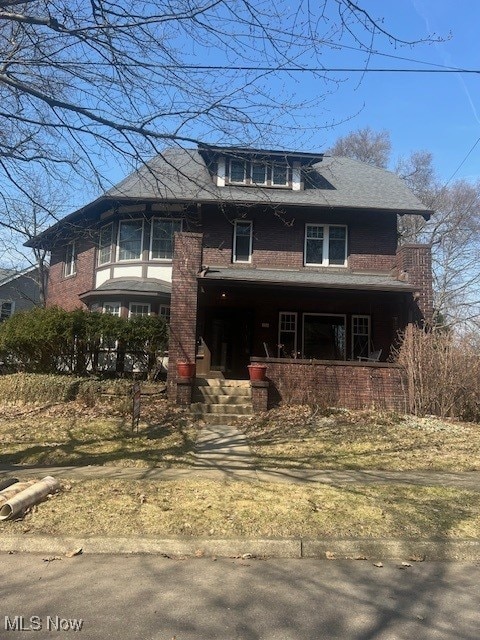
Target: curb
column 359, row 549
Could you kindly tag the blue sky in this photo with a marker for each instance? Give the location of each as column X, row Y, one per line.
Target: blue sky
column 435, row 112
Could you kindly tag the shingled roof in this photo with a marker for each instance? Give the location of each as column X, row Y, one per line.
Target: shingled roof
column 182, row 175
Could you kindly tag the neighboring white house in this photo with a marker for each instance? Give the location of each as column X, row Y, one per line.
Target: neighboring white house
column 19, row 290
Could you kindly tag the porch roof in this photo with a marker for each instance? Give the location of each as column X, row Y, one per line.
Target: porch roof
column 305, row 278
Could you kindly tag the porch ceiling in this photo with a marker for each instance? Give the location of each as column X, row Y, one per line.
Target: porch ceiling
column 305, row 278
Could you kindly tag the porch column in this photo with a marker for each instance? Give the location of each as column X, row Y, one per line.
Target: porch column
column 415, row 262
column 187, row 263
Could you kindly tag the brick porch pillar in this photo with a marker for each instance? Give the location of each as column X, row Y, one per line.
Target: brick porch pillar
column 415, row 261
column 187, row 262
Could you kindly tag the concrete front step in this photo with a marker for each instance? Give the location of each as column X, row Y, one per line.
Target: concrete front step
column 221, row 418
column 201, row 408
column 222, row 382
column 241, row 396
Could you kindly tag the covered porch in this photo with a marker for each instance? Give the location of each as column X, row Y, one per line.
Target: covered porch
column 286, row 316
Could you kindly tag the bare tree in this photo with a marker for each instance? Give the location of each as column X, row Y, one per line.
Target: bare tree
column 366, row 145
column 453, row 230
column 88, row 83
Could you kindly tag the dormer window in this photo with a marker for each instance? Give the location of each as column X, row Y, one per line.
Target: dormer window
column 258, row 173
column 238, row 171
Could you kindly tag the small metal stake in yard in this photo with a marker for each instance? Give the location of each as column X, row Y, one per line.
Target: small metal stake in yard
column 136, row 395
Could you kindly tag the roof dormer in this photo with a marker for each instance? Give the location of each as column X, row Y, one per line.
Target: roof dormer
column 239, row 167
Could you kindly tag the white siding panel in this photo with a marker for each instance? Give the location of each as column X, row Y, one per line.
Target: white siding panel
column 101, row 276
column 160, row 272
column 133, row 271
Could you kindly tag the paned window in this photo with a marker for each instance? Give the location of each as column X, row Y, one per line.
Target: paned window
column 138, row 309
column 325, row 245
column 6, row 309
column 279, row 174
column 164, row 311
column 360, row 336
column 259, row 173
column 242, row 241
column 238, row 171
column 163, row 231
column 70, row 266
column 287, row 334
column 105, row 244
column 130, row 239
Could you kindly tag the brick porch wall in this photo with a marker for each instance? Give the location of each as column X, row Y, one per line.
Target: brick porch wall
column 187, row 262
column 352, row 385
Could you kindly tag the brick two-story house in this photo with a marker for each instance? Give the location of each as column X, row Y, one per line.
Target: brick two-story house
column 287, row 258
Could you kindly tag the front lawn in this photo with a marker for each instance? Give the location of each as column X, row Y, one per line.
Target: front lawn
column 207, row 508
column 300, row 437
column 72, row 433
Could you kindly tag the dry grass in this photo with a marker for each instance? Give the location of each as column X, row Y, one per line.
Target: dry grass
column 297, row 437
column 241, row 508
column 75, row 434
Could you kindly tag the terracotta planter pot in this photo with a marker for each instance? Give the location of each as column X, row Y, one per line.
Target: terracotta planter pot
column 186, row 369
column 257, row 371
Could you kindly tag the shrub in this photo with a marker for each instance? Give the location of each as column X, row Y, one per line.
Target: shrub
column 52, row 340
column 443, row 371
column 37, row 388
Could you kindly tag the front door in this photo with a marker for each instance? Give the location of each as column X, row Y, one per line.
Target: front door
column 229, row 337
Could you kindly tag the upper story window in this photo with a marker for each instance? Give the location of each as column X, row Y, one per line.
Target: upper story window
column 138, row 309
column 161, row 243
column 325, row 245
column 130, row 240
column 242, row 241
column 105, row 244
column 7, row 308
column 259, row 173
column 70, row 266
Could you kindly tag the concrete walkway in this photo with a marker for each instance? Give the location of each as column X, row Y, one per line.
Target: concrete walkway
column 223, row 447
column 222, row 452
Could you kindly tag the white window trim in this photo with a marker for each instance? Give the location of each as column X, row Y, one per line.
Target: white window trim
column 295, row 331
column 326, row 239
column 245, row 172
column 265, row 167
column 114, row 303
column 369, row 318
column 145, row 304
column 150, row 250
column 234, row 248
column 117, row 255
column 165, row 307
column 72, row 263
column 329, row 315
column 101, row 264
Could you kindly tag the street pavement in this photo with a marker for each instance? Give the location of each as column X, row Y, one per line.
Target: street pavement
column 150, row 597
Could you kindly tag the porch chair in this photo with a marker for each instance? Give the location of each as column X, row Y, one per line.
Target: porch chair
column 373, row 356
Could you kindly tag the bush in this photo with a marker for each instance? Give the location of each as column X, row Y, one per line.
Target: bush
column 443, row 371
column 52, row 340
column 29, row 387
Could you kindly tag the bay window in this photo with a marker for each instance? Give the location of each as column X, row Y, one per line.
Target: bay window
column 130, row 239
column 161, row 243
